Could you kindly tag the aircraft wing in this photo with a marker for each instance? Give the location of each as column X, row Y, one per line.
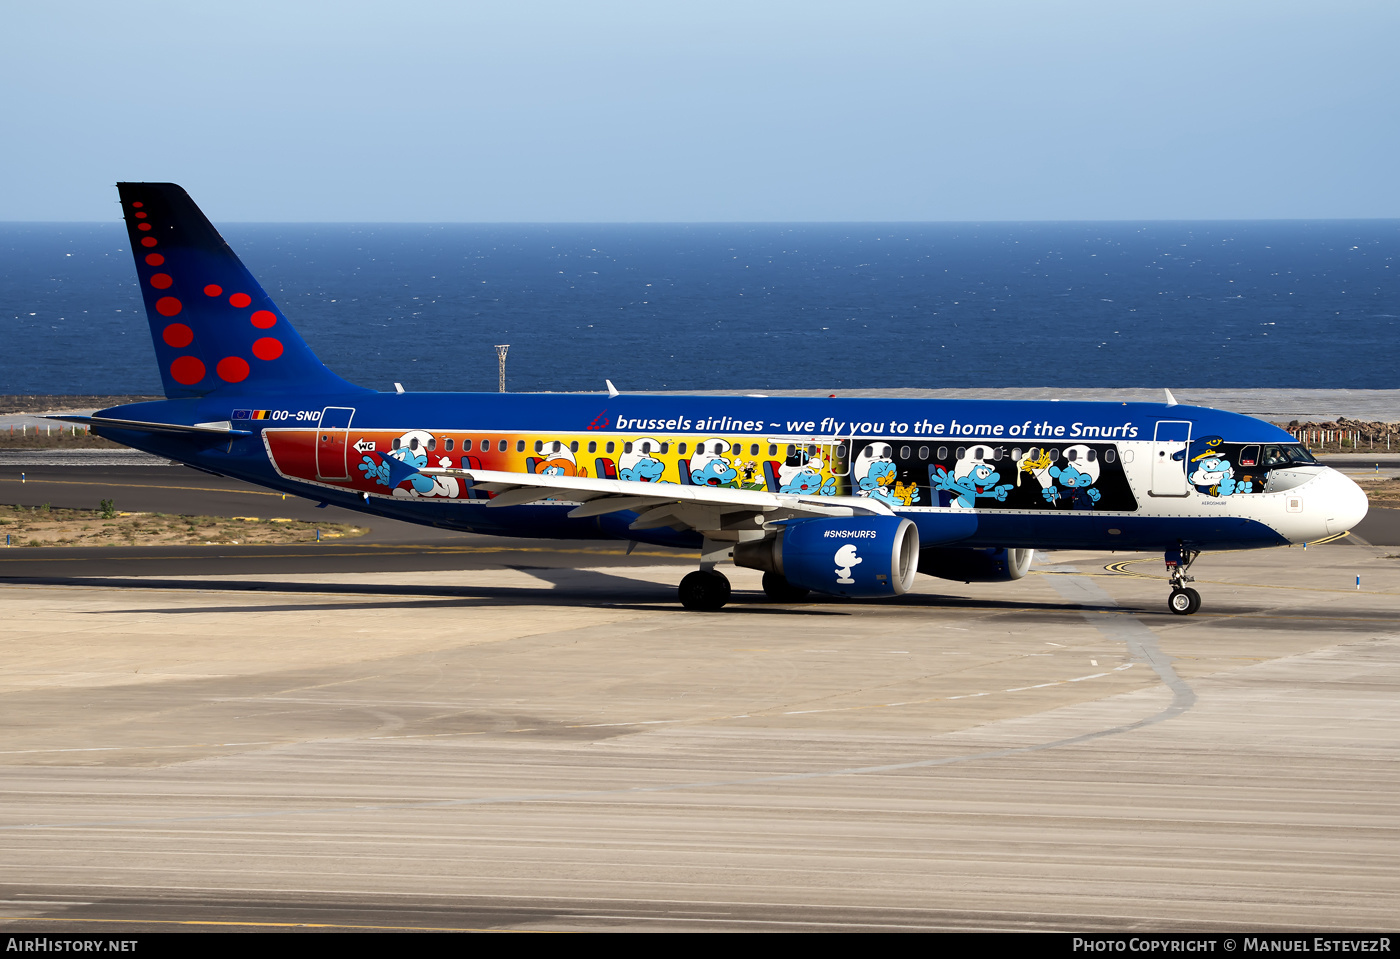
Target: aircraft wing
column 659, row 504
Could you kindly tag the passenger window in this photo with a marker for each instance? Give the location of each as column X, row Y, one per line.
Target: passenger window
column 665, row 448
column 1109, row 455
column 753, row 449
column 413, row 444
column 627, row 447
column 396, row 444
column 943, row 452
column 557, row 446
column 502, row 446
column 539, row 446
column 904, row 452
column 791, row 450
column 1054, row 455
column 979, row 453
column 923, row 452
column 772, row 450
column 1072, row 455
column 573, row 447
column 448, row 445
column 520, row 446
column 611, row 446
column 466, row 446
column 592, row 446
column 1016, row 452
column 699, row 449
column 1092, row 455
column 961, row 452
column 681, row 449
column 432, row 443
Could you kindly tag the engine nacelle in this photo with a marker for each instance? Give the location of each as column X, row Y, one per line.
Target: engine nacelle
column 970, row 565
column 858, row 556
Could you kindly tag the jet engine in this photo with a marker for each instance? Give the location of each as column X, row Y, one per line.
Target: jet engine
column 970, row 565
column 858, row 556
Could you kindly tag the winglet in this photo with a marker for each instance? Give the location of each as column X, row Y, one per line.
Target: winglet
column 1171, row 400
column 612, row 390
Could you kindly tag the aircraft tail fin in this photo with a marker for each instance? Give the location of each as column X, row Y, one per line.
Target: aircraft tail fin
column 214, row 327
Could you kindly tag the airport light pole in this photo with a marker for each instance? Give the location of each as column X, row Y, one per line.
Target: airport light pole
column 501, row 356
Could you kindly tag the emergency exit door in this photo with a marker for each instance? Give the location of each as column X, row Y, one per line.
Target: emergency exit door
column 1169, row 445
column 333, row 442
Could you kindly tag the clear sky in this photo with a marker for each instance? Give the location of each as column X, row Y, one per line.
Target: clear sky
column 706, row 111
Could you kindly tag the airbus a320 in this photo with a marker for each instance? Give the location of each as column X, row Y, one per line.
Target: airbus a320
column 843, row 497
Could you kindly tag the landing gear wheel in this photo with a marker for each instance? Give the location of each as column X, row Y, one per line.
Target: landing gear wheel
column 1184, row 602
column 704, row 591
column 781, row 591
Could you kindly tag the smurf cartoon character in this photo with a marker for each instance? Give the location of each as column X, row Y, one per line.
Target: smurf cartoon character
column 1212, row 473
column 710, row 467
column 802, row 473
column 876, row 473
column 845, row 560
column 413, row 453
column 971, row 477
column 1077, row 476
column 558, row 460
column 641, row 464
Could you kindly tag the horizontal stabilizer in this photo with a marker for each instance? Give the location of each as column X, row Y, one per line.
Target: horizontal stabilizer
column 223, row 428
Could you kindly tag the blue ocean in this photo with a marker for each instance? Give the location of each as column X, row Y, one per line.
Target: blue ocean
column 1310, row 304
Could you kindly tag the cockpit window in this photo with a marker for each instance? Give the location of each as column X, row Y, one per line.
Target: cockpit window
column 1276, row 457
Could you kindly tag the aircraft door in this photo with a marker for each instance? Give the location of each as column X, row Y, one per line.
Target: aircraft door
column 333, row 442
column 1169, row 444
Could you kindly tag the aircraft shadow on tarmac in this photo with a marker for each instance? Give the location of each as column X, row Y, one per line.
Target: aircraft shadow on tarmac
column 577, row 588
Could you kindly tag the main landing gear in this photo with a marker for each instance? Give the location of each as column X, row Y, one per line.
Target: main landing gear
column 1184, row 600
column 707, row 590
column 704, row 590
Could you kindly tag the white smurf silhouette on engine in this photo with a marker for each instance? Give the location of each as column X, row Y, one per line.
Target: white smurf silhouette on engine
column 846, row 558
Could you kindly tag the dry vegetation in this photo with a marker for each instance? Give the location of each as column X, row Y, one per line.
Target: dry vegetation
column 58, row 438
column 1381, row 492
column 43, row 526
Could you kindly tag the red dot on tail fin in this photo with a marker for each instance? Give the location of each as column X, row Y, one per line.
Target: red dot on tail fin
column 154, row 259
column 267, row 348
column 233, row 369
column 140, row 216
column 138, row 204
column 240, row 300
column 148, row 241
column 143, row 226
column 213, row 289
column 178, row 335
column 263, row 319
column 161, row 281
column 168, row 306
column 187, row 370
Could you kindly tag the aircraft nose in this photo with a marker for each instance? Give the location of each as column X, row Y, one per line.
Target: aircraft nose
column 1343, row 503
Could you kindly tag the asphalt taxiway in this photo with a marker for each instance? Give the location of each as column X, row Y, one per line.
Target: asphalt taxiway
column 535, row 736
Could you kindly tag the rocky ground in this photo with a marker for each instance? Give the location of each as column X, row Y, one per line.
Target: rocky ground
column 44, row 526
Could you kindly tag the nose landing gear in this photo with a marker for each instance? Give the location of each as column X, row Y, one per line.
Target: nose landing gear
column 1184, row 600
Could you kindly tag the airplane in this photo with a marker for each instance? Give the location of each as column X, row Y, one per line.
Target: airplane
column 847, row 497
